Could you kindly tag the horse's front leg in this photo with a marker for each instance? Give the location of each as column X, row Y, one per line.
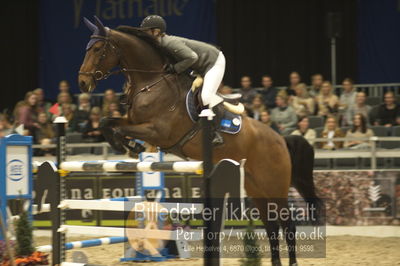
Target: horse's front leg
column 110, row 128
column 146, row 132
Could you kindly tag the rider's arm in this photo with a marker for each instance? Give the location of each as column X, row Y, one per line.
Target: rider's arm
column 185, row 56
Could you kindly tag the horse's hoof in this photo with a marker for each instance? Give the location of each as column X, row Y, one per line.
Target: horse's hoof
column 276, row 263
column 137, row 148
column 293, row 264
column 118, row 148
column 133, row 155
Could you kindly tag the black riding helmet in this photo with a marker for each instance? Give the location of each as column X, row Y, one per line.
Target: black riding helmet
column 154, row 21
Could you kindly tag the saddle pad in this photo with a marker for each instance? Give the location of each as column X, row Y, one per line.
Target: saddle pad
column 191, row 106
column 230, row 123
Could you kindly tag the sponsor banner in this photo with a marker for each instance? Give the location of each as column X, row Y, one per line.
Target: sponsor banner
column 350, row 197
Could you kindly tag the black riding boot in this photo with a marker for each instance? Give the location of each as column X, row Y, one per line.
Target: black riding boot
column 217, row 139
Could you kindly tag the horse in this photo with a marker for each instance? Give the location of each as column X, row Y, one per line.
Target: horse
column 156, row 113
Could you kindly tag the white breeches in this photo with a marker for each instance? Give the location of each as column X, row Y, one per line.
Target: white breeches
column 212, row 80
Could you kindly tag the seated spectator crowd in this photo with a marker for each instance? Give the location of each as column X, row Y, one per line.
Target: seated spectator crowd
column 315, row 111
column 83, row 114
column 318, row 111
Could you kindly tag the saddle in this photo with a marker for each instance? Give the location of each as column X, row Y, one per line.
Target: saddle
column 230, row 101
column 228, row 114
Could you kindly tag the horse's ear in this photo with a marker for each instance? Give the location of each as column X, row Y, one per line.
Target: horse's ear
column 100, row 26
column 90, row 25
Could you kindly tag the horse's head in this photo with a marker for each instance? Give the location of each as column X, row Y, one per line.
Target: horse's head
column 101, row 56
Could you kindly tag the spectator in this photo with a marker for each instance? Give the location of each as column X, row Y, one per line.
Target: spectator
column 109, row 97
column 43, row 105
column 225, row 90
column 248, row 93
column 44, row 130
column 360, row 107
column 26, row 113
column 65, row 98
column 116, row 114
column 302, row 103
column 331, row 131
column 257, row 107
column 92, row 132
column 359, row 130
column 265, row 118
column 347, row 99
column 112, row 107
column 84, row 102
column 268, row 92
column 388, row 114
column 327, row 102
column 303, row 130
column 316, row 84
column 294, row 79
column 5, row 126
column 284, row 115
column 83, row 110
column 64, row 86
column 72, row 122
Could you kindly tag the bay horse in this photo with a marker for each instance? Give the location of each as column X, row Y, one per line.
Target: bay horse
column 157, row 114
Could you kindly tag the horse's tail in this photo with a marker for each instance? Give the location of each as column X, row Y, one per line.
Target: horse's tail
column 302, row 157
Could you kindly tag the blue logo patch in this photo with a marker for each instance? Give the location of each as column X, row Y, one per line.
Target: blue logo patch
column 15, row 170
column 226, row 123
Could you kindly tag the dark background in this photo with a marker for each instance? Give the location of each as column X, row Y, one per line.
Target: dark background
column 19, row 50
column 277, row 37
column 257, row 37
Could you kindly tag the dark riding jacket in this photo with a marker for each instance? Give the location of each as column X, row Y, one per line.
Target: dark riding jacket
column 196, row 55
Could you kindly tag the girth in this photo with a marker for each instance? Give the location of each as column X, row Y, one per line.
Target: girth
column 177, row 148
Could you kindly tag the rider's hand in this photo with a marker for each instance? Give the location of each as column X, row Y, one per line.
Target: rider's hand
column 170, row 69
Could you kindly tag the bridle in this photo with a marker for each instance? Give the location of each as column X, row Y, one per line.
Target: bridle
column 99, row 75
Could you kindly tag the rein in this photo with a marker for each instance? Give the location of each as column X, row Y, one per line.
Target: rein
column 99, row 75
column 147, row 87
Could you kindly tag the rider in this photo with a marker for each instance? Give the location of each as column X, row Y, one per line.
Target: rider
column 203, row 58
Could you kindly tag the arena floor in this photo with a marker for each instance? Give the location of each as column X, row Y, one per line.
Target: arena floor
column 356, row 249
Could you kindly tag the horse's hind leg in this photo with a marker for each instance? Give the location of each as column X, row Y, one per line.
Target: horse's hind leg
column 272, row 228
column 289, row 230
column 270, row 214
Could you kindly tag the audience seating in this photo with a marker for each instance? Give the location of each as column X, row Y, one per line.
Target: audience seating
column 318, row 131
column 76, row 138
column 373, row 101
column 315, row 121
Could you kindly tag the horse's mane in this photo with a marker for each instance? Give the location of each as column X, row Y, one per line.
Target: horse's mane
column 136, row 32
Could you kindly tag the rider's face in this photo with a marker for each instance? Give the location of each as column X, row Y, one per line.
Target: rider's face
column 154, row 32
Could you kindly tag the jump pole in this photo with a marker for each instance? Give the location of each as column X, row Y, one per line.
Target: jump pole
column 58, row 238
column 211, row 245
column 87, row 243
column 211, row 253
